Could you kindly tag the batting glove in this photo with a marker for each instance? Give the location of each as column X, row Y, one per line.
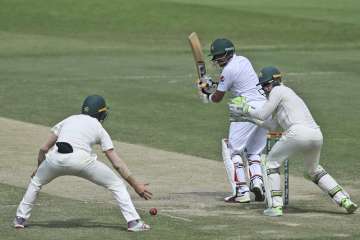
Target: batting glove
column 207, row 85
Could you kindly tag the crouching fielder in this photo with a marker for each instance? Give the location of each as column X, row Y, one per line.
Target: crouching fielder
column 301, row 134
column 72, row 155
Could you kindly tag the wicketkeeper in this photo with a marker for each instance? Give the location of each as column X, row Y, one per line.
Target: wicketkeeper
column 68, row 151
column 301, row 134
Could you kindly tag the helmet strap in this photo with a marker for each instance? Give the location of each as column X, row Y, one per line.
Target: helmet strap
column 223, row 60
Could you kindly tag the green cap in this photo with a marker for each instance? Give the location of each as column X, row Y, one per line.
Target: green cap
column 268, row 73
column 221, row 46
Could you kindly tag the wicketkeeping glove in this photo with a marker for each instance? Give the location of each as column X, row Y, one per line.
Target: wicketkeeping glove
column 238, row 108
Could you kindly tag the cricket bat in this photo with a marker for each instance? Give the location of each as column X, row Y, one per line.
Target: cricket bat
column 198, row 57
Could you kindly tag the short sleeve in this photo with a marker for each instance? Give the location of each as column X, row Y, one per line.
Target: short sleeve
column 105, row 140
column 225, row 81
column 57, row 128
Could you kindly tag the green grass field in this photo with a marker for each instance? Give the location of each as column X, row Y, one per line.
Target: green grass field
column 135, row 53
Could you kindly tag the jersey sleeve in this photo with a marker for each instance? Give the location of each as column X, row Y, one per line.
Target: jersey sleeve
column 271, row 124
column 105, row 140
column 57, row 128
column 269, row 106
column 225, row 81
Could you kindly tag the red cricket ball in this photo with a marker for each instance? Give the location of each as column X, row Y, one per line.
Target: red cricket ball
column 153, row 211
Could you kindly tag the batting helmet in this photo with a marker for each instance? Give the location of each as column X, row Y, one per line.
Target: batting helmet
column 95, row 106
column 221, row 50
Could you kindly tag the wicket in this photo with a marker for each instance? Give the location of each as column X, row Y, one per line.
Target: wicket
column 272, row 138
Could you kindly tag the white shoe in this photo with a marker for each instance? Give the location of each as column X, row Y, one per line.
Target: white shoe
column 273, row 212
column 19, row 222
column 239, row 198
column 139, row 226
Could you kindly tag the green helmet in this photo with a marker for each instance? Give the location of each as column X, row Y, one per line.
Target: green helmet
column 268, row 74
column 221, row 47
column 95, row 106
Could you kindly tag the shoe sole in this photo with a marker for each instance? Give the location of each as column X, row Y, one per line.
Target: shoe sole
column 18, row 226
column 351, row 209
column 259, row 196
column 236, row 201
column 141, row 230
column 273, row 215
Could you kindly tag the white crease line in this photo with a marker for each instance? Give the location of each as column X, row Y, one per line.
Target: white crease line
column 311, row 73
column 170, row 216
column 134, row 77
column 164, row 214
column 290, row 224
column 180, row 218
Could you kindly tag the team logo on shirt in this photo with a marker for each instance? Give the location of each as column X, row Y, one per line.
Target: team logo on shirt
column 222, row 78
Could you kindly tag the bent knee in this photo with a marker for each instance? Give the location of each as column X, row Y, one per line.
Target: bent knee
column 316, row 174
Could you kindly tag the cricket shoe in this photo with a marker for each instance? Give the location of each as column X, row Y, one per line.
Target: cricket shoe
column 273, row 212
column 258, row 190
column 19, row 222
column 137, row 226
column 238, row 198
column 349, row 206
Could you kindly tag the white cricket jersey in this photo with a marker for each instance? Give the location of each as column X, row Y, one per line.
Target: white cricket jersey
column 288, row 107
column 82, row 131
column 239, row 77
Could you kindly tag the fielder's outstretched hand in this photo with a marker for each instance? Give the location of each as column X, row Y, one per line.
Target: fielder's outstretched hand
column 141, row 189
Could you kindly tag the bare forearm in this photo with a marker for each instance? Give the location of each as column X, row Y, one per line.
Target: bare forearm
column 46, row 147
column 118, row 164
column 41, row 156
column 121, row 167
column 217, row 97
column 123, row 170
column 131, row 181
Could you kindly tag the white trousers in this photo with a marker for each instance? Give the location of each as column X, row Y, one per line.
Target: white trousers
column 308, row 141
column 297, row 139
column 247, row 140
column 245, row 135
column 81, row 164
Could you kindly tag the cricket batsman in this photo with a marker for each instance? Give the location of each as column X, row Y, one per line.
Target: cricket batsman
column 246, row 140
column 68, row 151
column 301, row 134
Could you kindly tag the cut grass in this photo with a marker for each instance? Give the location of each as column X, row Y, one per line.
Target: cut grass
column 59, row 218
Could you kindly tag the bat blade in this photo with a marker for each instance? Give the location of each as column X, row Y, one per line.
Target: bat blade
column 196, row 48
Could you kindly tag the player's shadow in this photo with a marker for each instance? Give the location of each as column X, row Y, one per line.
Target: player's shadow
column 296, row 210
column 75, row 223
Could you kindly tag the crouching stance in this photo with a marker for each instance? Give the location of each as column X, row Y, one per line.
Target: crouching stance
column 71, row 153
column 301, row 134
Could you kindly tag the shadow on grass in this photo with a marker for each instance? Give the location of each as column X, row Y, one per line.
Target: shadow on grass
column 75, row 223
column 294, row 210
